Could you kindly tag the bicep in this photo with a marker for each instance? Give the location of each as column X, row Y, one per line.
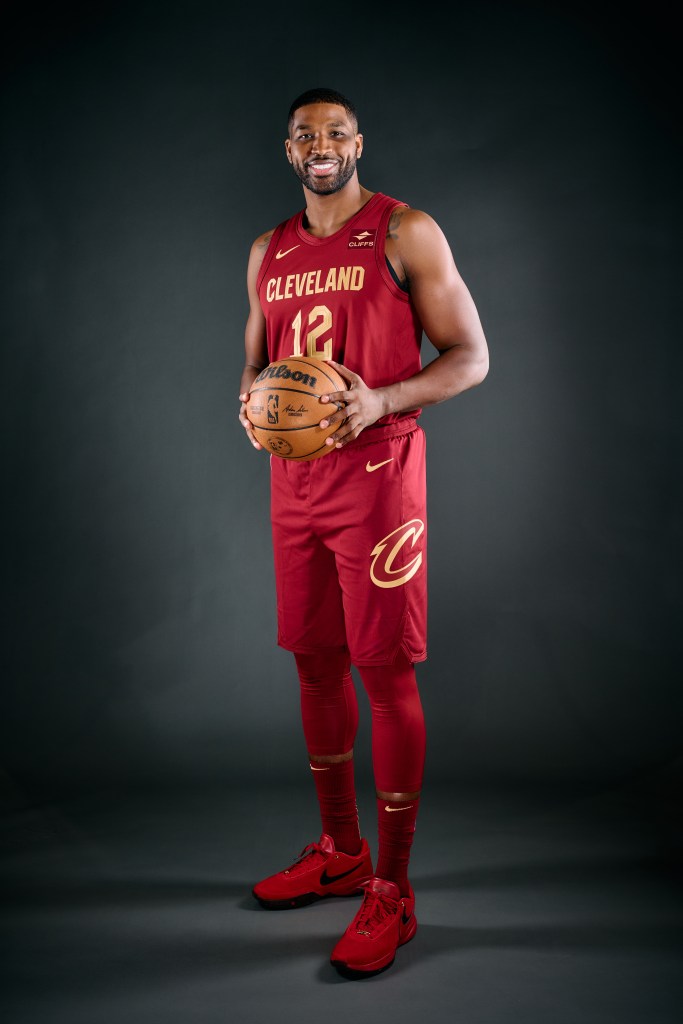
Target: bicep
column 255, row 338
column 446, row 310
column 440, row 296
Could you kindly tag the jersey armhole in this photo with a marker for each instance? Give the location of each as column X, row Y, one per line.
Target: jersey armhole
column 272, row 245
column 403, row 287
column 386, row 271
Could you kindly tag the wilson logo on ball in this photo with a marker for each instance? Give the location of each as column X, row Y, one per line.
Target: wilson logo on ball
column 383, row 572
column 283, row 372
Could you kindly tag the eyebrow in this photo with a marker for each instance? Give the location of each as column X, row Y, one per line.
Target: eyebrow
column 328, row 124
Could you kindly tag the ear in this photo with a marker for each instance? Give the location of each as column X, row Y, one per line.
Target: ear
column 288, row 150
column 359, row 146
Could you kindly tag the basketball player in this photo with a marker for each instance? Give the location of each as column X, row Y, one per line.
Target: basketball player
column 354, row 279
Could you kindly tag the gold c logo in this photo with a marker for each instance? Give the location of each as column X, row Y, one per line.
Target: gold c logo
column 384, row 574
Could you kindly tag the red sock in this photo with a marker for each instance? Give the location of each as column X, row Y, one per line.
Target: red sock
column 396, row 827
column 334, row 784
column 330, row 719
column 398, row 751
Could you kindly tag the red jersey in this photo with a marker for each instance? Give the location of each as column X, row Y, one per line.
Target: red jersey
column 335, row 298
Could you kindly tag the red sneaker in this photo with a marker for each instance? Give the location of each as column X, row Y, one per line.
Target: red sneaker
column 320, row 871
column 385, row 921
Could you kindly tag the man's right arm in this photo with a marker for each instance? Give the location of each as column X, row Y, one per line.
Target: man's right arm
column 255, row 344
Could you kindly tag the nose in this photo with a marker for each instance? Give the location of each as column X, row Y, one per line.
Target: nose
column 319, row 146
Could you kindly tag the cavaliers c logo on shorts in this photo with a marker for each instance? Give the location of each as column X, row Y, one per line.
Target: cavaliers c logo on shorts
column 391, row 565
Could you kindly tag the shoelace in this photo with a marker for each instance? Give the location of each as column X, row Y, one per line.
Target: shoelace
column 307, row 852
column 374, row 909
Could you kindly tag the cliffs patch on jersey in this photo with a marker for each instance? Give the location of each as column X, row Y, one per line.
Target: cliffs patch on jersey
column 315, row 282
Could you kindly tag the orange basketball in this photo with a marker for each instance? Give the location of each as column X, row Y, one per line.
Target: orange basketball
column 284, row 407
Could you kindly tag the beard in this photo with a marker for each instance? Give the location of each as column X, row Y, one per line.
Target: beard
column 330, row 184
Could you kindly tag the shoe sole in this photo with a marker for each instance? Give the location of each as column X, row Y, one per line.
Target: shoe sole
column 377, row 966
column 307, row 898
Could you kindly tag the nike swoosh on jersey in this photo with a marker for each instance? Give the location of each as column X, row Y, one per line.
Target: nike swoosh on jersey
column 279, row 255
column 371, row 469
column 388, row 808
column 326, row 879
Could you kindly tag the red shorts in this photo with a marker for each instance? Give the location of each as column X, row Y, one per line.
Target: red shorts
column 350, row 545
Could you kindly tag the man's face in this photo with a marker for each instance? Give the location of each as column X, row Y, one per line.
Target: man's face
column 323, row 147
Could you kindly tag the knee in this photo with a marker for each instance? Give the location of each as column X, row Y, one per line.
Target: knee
column 393, row 684
column 322, row 668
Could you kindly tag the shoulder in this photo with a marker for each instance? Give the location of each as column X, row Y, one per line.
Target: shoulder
column 415, row 236
column 259, row 247
column 261, row 243
column 416, row 243
column 411, row 226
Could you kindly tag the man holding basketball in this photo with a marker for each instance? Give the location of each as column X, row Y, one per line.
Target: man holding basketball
column 353, row 280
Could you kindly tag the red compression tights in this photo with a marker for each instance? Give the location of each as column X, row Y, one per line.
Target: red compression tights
column 330, row 719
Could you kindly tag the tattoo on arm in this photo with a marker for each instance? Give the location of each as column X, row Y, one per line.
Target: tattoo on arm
column 394, row 224
column 264, row 242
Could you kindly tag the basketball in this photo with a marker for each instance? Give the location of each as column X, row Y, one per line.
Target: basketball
column 284, row 407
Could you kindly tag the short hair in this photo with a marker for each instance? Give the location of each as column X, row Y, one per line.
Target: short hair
column 321, row 95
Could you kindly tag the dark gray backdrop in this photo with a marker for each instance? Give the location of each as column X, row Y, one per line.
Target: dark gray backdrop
column 143, row 153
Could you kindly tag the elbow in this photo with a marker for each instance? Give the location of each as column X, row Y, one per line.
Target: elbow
column 481, row 369
column 474, row 365
column 478, row 369
column 481, row 363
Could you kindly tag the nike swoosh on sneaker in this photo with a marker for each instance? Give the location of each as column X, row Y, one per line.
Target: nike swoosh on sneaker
column 326, row 879
column 371, row 469
column 280, row 254
column 388, row 808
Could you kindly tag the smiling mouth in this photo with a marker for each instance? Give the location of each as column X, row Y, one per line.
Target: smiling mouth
column 321, row 168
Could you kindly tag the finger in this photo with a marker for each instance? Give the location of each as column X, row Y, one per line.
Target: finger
column 336, row 417
column 347, row 374
column 247, row 428
column 345, row 433
column 244, row 397
column 340, row 397
column 253, row 440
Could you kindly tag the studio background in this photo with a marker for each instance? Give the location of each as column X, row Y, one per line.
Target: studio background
column 143, row 152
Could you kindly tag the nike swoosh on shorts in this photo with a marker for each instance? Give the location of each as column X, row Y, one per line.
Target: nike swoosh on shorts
column 371, row 469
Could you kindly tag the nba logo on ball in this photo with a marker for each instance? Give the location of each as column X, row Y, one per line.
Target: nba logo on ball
column 273, row 402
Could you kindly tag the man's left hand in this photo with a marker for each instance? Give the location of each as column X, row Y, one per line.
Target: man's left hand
column 363, row 406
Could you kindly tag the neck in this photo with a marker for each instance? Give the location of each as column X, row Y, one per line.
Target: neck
column 326, row 214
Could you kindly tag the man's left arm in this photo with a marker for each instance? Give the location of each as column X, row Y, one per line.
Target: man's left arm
column 450, row 321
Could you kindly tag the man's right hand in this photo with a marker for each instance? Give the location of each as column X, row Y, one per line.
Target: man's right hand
column 244, row 398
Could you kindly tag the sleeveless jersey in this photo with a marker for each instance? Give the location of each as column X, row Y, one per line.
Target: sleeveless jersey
column 335, row 298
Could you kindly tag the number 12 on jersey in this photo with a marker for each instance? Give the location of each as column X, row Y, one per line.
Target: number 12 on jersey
column 323, row 314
